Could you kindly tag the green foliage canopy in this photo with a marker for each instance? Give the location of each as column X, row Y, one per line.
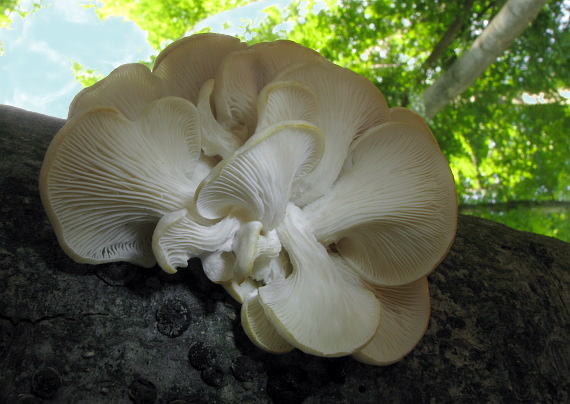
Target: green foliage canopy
column 166, row 20
column 6, row 7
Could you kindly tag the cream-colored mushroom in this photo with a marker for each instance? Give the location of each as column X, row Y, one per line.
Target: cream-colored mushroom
column 186, row 64
column 404, row 318
column 256, row 181
column 311, row 202
column 106, row 180
column 321, row 294
column 243, row 74
column 348, row 105
column 392, row 213
column 129, row 88
column 260, row 330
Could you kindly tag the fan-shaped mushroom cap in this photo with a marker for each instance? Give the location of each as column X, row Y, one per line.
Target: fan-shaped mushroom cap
column 348, row 105
column 244, row 73
column 189, row 62
column 405, row 115
column 404, row 319
column 321, row 308
column 258, row 178
column 129, row 88
column 393, row 211
column 179, row 70
column 286, row 100
column 259, row 330
column 106, row 181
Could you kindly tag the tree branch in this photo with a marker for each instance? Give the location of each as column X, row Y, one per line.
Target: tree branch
column 501, row 32
column 447, row 38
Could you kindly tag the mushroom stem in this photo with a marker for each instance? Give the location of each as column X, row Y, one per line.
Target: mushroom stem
column 179, row 237
column 320, row 294
column 249, row 245
column 245, row 249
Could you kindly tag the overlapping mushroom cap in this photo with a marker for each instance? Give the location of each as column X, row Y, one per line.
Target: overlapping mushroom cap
column 315, row 205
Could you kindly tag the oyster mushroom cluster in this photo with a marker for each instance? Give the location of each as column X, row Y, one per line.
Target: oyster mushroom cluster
column 311, row 202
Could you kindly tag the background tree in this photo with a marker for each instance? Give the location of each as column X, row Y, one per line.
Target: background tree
column 504, row 28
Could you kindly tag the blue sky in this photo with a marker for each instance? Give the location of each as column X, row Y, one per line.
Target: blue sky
column 35, row 68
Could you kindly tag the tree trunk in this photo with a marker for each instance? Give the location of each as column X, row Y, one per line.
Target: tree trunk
column 116, row 333
column 508, row 24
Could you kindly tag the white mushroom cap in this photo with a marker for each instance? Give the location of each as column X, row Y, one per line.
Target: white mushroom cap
column 348, row 105
column 259, row 330
column 129, row 88
column 405, row 115
column 256, row 181
column 321, row 308
column 186, row 64
column 404, row 318
column 106, row 180
column 286, row 100
column 179, row 70
column 243, row 74
column 393, row 211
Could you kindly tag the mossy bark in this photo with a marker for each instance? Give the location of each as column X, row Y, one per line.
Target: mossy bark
column 499, row 330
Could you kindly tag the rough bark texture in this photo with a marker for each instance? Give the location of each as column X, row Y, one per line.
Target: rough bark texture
column 508, row 24
column 73, row 333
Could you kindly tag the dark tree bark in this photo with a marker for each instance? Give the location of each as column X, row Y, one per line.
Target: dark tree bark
column 110, row 333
